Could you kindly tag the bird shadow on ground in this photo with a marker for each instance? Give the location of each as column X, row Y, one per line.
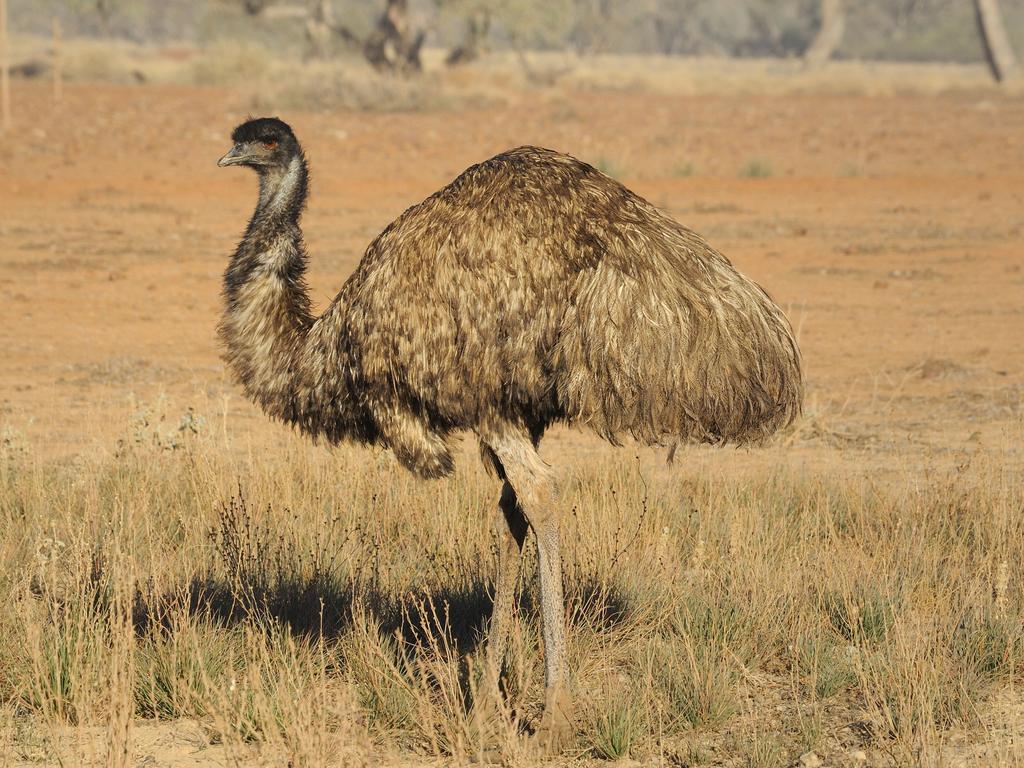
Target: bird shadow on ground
column 257, row 578
column 323, row 606
column 320, row 606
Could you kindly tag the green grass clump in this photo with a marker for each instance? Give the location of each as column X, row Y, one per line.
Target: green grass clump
column 608, row 167
column 867, row 615
column 696, row 680
column 757, row 168
column 684, row 170
column 617, row 727
column 825, row 665
column 180, row 668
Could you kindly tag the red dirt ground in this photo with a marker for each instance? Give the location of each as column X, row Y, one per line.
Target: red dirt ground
column 890, row 228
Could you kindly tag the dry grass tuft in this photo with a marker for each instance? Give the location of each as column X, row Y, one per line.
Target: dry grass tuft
column 312, row 604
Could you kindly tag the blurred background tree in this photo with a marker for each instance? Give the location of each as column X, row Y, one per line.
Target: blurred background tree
column 533, row 24
column 998, row 47
column 831, row 25
column 106, row 12
column 395, row 43
column 915, row 30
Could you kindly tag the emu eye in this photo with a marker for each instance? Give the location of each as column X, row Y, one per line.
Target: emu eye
column 270, row 143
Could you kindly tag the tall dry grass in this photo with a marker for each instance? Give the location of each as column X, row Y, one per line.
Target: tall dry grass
column 324, row 607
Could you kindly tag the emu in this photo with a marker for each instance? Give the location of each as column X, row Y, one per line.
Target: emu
column 532, row 290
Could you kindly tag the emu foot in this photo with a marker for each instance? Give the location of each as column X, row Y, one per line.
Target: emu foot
column 489, row 724
column 555, row 727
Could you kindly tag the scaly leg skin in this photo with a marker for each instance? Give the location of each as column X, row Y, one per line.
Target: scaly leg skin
column 529, row 477
column 510, row 526
column 555, row 725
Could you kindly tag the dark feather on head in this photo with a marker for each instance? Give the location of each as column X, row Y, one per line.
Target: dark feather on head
column 263, row 129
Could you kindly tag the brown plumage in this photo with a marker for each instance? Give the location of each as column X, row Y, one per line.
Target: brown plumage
column 531, row 290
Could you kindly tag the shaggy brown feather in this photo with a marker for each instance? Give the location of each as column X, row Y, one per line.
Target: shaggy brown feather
column 533, row 289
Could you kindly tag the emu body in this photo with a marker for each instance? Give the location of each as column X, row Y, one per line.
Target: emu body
column 531, row 290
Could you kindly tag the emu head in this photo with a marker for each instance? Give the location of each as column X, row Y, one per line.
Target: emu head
column 264, row 143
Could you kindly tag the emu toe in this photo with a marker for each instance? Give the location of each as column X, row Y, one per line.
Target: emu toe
column 555, row 727
column 491, row 725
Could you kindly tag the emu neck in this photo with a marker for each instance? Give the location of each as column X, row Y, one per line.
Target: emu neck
column 267, row 318
column 283, row 191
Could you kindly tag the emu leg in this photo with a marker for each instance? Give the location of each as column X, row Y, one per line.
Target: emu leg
column 511, row 529
column 530, row 480
column 554, row 725
column 489, row 711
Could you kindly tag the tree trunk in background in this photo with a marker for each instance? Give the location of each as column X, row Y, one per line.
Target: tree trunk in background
column 997, row 42
column 319, row 25
column 392, row 46
column 5, row 76
column 830, row 33
column 58, row 76
column 105, row 10
column 322, row 31
column 478, row 26
column 255, row 7
column 593, row 30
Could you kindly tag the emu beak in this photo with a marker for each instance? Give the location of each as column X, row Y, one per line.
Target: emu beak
column 234, row 156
